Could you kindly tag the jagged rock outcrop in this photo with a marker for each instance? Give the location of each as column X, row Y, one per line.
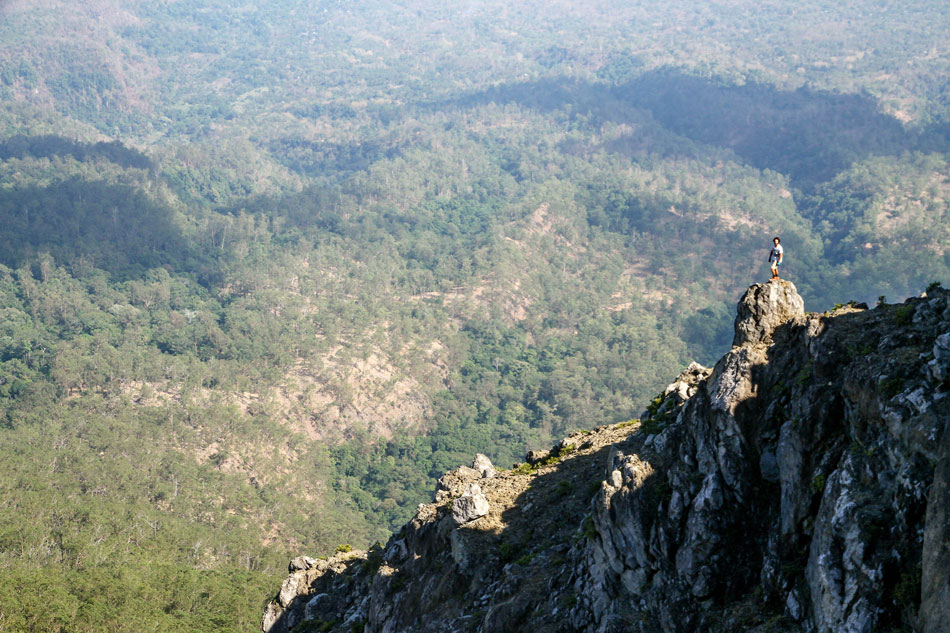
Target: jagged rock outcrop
column 800, row 485
column 763, row 308
column 312, row 587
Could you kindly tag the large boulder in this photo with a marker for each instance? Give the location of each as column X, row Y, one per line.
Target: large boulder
column 483, row 465
column 454, row 483
column 470, row 506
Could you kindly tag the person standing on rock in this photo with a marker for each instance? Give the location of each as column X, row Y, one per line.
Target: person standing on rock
column 776, row 255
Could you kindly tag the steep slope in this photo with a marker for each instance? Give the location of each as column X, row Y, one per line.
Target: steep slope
column 785, row 489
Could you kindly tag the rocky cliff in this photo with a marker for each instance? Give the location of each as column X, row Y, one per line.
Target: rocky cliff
column 800, row 485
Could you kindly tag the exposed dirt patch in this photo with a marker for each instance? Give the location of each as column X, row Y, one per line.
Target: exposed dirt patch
column 328, row 396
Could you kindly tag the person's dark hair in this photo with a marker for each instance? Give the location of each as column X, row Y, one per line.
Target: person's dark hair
column 777, row 239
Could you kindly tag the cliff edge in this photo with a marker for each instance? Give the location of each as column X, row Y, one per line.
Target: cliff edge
column 802, row 484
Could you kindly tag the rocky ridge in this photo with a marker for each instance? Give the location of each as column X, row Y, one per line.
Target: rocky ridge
column 802, row 484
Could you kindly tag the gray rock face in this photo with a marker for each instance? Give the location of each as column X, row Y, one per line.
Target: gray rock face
column 940, row 365
column 842, row 572
column 271, row 619
column 790, row 488
column 292, row 586
column 791, row 415
column 935, row 581
column 763, row 308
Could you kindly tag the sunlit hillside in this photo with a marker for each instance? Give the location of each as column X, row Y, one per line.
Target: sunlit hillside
column 269, row 267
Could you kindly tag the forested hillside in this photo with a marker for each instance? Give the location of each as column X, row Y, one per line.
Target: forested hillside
column 268, row 268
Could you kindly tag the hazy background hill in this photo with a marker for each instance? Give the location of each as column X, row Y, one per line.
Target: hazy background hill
column 269, row 267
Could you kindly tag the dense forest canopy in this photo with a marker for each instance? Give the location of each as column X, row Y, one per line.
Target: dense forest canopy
column 269, row 267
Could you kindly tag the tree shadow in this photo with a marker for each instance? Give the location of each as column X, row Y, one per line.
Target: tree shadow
column 810, row 135
column 50, row 145
column 88, row 225
column 316, row 158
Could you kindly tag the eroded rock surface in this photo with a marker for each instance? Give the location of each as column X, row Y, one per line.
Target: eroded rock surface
column 801, row 484
column 470, row 506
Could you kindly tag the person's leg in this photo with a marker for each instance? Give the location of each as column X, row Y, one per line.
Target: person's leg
column 774, row 269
